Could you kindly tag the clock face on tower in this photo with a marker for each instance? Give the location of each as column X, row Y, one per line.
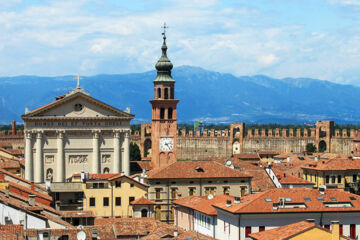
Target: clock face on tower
column 166, row 143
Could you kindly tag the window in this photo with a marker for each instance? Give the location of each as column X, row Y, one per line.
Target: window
column 354, row 178
column 131, row 199
column 118, row 201
column 158, row 191
column 268, row 200
column 352, row 231
column 131, row 185
column 106, row 201
column 162, row 113
column 226, row 190
column 170, row 113
column 307, row 199
column 333, row 199
column 339, row 178
column 191, row 191
column 166, row 94
column 95, row 185
column 173, row 193
column 333, row 178
column 171, row 93
column 327, row 179
column 341, row 229
column 352, row 198
column 261, row 228
column 159, row 92
column 247, row 231
column 306, row 176
column 118, row 184
column 327, row 226
column 321, row 199
column 92, row 202
column 101, row 185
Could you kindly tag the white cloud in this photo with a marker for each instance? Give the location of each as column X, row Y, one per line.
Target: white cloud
column 268, row 59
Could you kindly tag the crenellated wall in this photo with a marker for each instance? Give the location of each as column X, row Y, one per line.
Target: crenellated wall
column 211, row 143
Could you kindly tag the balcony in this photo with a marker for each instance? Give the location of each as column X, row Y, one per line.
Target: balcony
column 66, row 187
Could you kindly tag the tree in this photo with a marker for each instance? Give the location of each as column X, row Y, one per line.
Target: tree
column 134, row 152
column 310, row 148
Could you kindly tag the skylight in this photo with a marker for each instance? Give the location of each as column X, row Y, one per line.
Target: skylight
column 307, row 199
column 333, row 199
column 268, row 200
column 352, row 198
column 287, row 199
column 321, row 199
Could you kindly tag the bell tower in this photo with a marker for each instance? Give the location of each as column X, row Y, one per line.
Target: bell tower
column 164, row 126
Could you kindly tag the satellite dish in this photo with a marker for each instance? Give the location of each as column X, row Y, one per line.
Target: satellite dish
column 81, row 235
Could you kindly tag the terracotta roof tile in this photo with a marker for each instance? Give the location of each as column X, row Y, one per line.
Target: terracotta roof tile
column 335, row 164
column 147, row 165
column 287, row 231
column 195, row 169
column 256, row 203
column 142, row 201
column 202, row 203
column 252, row 156
column 285, row 178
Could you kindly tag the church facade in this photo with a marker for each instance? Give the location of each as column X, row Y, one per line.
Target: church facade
column 75, row 133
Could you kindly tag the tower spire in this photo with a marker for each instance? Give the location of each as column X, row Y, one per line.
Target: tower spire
column 164, row 65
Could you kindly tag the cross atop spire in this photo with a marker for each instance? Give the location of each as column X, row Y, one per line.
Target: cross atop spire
column 164, row 32
column 78, row 81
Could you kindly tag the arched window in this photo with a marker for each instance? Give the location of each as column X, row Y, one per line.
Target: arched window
column 49, row 174
column 170, row 113
column 106, row 170
column 162, row 113
column 166, row 94
column 159, row 92
column 172, row 93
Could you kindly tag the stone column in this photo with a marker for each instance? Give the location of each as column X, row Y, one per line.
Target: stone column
column 60, row 161
column 117, row 152
column 125, row 164
column 39, row 164
column 96, row 152
column 28, row 157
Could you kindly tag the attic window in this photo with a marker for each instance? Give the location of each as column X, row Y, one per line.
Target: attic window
column 333, row 199
column 199, row 169
column 307, row 199
column 78, row 107
column 352, row 198
column 321, row 199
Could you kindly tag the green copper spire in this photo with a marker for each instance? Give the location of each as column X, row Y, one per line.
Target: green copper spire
column 164, row 65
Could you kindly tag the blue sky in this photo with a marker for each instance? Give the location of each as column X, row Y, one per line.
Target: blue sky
column 279, row 38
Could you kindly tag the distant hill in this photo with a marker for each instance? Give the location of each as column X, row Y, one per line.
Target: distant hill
column 210, row 96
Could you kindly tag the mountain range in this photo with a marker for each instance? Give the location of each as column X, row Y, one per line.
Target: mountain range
column 204, row 95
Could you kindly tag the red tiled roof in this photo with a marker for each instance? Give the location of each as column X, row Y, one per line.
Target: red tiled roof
column 252, row 156
column 147, row 165
column 30, row 191
column 260, row 180
column 99, row 176
column 9, row 232
column 78, row 214
column 195, row 169
column 202, row 203
column 285, row 178
column 142, row 201
column 255, row 203
column 335, row 164
column 287, row 231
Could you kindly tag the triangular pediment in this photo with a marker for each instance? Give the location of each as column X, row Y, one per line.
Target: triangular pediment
column 77, row 105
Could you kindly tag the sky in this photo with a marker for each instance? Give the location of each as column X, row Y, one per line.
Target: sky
column 278, row 38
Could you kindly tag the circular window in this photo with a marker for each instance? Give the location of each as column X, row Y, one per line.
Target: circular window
column 78, row 107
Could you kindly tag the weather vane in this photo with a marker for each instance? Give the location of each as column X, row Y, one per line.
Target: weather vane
column 78, row 80
column 164, row 27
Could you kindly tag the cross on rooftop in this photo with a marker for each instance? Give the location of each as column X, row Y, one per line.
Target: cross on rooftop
column 78, row 80
column 164, row 27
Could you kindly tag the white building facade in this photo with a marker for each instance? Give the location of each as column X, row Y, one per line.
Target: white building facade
column 75, row 133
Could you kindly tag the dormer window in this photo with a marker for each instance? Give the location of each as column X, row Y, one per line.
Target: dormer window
column 78, row 107
column 199, row 169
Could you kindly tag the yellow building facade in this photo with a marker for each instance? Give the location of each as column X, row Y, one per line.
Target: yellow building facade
column 111, row 196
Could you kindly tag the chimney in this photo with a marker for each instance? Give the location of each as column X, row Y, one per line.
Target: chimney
column 7, row 192
column 236, row 200
column 228, row 203
column 26, row 110
column 13, row 127
column 335, row 232
column 322, row 189
column 32, row 200
column 32, row 186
